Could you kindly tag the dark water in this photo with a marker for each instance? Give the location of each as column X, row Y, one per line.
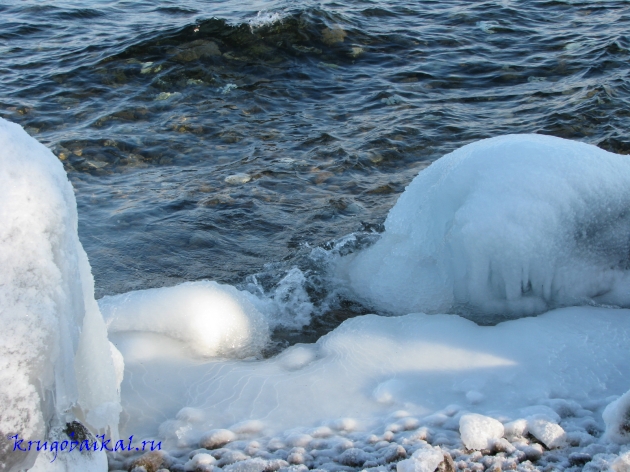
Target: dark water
column 206, row 140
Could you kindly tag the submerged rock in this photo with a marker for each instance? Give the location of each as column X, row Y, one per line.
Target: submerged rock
column 195, row 50
column 333, row 35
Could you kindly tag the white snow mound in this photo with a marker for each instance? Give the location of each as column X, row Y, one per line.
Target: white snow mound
column 506, row 226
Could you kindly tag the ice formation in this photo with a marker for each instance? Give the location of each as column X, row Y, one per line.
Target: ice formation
column 208, row 318
column 506, row 226
column 56, row 362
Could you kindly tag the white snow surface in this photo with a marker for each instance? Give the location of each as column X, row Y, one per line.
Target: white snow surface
column 507, row 226
column 55, row 358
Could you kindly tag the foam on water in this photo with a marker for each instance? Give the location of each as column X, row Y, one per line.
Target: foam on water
column 264, row 18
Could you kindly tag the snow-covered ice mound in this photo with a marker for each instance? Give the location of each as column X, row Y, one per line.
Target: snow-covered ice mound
column 207, row 318
column 56, row 363
column 507, row 226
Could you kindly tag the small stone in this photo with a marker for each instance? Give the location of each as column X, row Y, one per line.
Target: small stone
column 353, row 457
column 425, row 459
column 150, row 462
column 202, row 462
column 217, row 438
column 195, row 50
column 230, row 457
column 447, row 465
column 298, row 440
column 579, row 458
column 394, row 453
column 356, row 51
column 238, row 179
column 333, row 35
column 503, row 445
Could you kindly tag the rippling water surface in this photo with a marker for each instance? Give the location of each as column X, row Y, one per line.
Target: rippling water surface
column 224, row 139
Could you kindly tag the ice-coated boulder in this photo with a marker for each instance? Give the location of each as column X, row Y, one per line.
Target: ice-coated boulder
column 503, row 227
column 546, row 431
column 479, row 431
column 56, row 363
column 425, row 459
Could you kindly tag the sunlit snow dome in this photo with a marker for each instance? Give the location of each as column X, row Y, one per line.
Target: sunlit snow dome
column 502, row 228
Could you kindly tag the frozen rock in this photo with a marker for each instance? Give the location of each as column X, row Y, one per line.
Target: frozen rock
column 202, row 462
column 475, row 397
column 425, row 459
column 354, row 457
column 393, row 453
column 550, row 434
column 229, row 457
column 248, row 427
column 616, row 417
column 151, row 461
column 217, row 438
column 322, row 432
column 478, row 431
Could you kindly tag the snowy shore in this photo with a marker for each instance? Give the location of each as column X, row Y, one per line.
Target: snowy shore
column 500, row 229
column 354, row 401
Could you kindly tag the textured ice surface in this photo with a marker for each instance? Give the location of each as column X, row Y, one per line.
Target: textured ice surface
column 55, row 359
column 505, row 226
column 417, row 363
column 208, row 318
